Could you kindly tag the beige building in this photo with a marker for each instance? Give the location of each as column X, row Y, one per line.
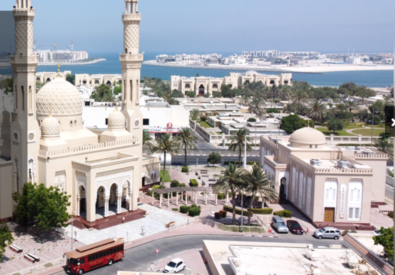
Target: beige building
column 97, row 79
column 44, row 77
column 203, row 85
column 328, row 185
column 43, row 138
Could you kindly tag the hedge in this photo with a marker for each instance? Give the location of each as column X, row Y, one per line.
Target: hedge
column 283, row 213
column 184, row 209
column 194, row 210
column 185, row 169
column 175, row 209
column 222, row 196
column 391, row 214
column 238, row 211
column 237, row 163
column 354, row 144
column 262, row 211
column 175, row 183
column 193, row 183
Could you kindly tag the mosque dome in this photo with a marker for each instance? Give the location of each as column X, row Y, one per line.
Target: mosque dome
column 60, row 98
column 50, row 127
column 307, row 137
column 116, row 120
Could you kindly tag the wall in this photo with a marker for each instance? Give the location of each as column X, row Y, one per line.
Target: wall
column 6, row 187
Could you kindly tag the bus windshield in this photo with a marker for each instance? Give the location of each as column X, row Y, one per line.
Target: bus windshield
column 73, row 261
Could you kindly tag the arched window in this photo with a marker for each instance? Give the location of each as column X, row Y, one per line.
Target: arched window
column 23, row 98
column 131, row 90
column 16, row 97
column 354, row 200
column 30, row 98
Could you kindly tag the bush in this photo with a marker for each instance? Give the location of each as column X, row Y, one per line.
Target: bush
column 221, row 196
column 203, row 118
column 184, row 209
column 194, row 210
column 175, row 183
column 217, row 94
column 183, row 185
column 237, row 163
column 283, row 213
column 238, row 211
column 190, row 94
column 193, row 183
column 354, row 144
column 175, row 209
column 262, row 211
column 391, row 214
column 185, row 169
column 251, row 119
column 156, row 196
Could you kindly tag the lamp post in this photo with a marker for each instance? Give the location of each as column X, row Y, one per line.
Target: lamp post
column 72, row 225
column 371, row 137
column 242, row 216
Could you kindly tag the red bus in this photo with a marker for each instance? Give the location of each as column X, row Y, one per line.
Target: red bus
column 95, row 255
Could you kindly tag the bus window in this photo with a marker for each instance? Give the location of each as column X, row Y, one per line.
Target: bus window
column 82, row 260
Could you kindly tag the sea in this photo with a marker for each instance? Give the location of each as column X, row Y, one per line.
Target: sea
column 112, row 65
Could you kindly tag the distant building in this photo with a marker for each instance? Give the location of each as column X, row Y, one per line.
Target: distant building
column 202, row 85
column 97, row 79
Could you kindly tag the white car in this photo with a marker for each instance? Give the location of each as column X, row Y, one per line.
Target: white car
column 174, row 266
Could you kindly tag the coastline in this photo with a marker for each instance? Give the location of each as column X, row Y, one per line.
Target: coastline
column 6, row 64
column 322, row 68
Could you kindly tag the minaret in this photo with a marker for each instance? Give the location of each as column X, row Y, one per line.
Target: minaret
column 131, row 61
column 24, row 128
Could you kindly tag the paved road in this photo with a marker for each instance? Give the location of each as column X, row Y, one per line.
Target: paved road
column 389, row 192
column 179, row 160
column 141, row 257
column 202, row 144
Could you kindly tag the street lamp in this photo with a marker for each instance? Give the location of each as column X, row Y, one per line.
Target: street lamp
column 242, row 216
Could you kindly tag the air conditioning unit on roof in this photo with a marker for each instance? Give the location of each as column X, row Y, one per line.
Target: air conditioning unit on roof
column 342, row 164
column 316, row 162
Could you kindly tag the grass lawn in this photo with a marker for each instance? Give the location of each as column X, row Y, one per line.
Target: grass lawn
column 167, row 176
column 338, row 133
column 368, row 132
column 204, row 124
column 219, row 133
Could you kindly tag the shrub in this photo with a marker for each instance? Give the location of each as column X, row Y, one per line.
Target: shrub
column 203, row 118
column 183, row 185
column 175, row 183
column 175, row 209
column 194, row 210
column 391, row 214
column 221, row 196
column 237, row 163
column 193, row 183
column 251, row 119
column 283, row 213
column 262, row 211
column 185, row 169
column 353, row 144
column 238, row 211
column 184, row 209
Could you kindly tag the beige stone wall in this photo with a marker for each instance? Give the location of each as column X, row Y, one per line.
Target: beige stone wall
column 6, row 190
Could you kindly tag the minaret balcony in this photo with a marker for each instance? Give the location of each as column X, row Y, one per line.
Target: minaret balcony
column 131, row 57
column 131, row 17
column 21, row 12
column 24, row 59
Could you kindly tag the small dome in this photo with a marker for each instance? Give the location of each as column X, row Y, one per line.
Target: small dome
column 116, row 120
column 307, row 136
column 59, row 97
column 251, row 72
column 50, row 127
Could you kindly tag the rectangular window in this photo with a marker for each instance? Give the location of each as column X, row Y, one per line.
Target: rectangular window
column 146, row 121
column 106, row 121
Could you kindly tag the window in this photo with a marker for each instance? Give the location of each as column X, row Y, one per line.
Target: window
column 146, row 121
column 106, row 121
column 215, row 86
column 311, row 146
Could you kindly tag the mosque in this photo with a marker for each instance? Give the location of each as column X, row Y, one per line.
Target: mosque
column 43, row 138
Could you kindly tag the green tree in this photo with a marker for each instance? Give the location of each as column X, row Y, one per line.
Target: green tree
column 299, row 97
column 195, row 114
column 191, row 94
column 176, row 93
column 272, row 110
column 292, row 123
column 6, row 238
column 7, row 85
column 335, row 124
column 217, row 94
column 317, row 111
column 230, row 181
column 238, row 141
column 101, row 93
column 187, row 141
column 384, row 145
column 147, row 140
column 214, row 158
column 118, row 89
column 165, row 144
column 256, row 183
column 70, row 78
column 386, row 239
column 47, row 207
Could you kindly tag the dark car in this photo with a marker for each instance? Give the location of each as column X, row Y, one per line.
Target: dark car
column 294, row 227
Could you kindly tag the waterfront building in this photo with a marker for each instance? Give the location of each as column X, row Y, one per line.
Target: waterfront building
column 44, row 139
column 329, row 185
column 202, row 85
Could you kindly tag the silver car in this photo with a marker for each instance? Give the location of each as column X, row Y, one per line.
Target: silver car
column 327, row 233
column 279, row 225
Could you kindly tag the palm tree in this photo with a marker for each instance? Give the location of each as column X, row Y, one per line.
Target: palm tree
column 351, row 105
column 231, row 181
column 165, row 144
column 237, row 142
column 195, row 114
column 299, row 97
column 256, row 106
column 257, row 182
column 187, row 141
column 317, row 111
column 147, row 140
column 384, row 145
column 285, row 92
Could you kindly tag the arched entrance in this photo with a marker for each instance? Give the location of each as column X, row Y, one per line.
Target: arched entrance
column 201, row 90
column 82, row 204
column 100, row 201
column 283, row 195
column 109, row 84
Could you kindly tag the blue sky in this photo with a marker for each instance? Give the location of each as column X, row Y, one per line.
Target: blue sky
column 226, row 26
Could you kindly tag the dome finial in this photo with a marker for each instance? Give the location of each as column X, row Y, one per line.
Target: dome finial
column 59, row 64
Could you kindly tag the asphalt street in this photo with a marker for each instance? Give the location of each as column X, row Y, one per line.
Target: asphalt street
column 140, row 258
column 179, row 160
column 389, row 192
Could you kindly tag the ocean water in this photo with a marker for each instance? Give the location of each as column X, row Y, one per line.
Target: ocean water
column 332, row 79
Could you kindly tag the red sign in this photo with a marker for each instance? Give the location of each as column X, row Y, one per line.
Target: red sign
column 169, row 125
column 157, row 251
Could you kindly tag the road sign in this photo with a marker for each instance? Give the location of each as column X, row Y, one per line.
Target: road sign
column 157, row 251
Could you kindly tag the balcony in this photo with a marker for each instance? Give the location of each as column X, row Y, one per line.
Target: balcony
column 131, row 17
column 138, row 58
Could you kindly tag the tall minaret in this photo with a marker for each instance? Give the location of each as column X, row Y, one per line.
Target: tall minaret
column 25, row 131
column 131, row 61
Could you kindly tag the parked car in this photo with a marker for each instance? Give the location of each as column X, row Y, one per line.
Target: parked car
column 327, row 233
column 294, row 227
column 174, row 266
column 279, row 225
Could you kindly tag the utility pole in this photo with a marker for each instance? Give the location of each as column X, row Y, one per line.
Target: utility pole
column 245, row 152
column 242, row 216
column 371, row 137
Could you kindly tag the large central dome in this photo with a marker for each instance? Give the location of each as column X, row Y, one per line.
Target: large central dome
column 307, row 138
column 60, row 98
